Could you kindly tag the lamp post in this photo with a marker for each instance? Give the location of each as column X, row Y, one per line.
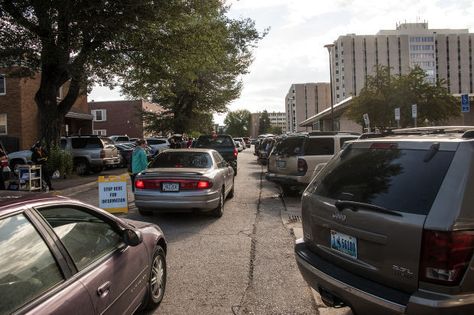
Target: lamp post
column 329, row 48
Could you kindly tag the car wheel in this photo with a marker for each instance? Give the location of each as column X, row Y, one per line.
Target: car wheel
column 81, row 167
column 231, row 192
column 157, row 280
column 145, row 212
column 217, row 212
column 235, row 170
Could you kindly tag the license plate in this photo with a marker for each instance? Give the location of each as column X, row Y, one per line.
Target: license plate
column 170, row 187
column 344, row 243
column 281, row 164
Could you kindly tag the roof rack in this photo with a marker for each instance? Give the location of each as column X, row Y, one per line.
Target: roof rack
column 332, row 133
column 466, row 131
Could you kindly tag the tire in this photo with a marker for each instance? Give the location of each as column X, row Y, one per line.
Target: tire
column 81, row 167
column 231, row 192
column 217, row 212
column 144, row 212
column 235, row 170
column 157, row 280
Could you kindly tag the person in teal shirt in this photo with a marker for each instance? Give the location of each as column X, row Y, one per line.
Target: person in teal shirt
column 139, row 160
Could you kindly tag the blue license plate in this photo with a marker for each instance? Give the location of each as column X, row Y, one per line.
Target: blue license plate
column 344, row 243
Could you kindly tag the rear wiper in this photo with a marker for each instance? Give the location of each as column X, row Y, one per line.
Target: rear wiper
column 355, row 205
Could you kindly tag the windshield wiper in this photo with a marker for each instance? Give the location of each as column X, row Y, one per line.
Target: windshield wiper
column 355, row 205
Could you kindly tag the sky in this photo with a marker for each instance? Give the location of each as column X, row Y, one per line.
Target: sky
column 293, row 51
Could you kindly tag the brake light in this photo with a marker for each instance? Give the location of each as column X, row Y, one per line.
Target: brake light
column 139, row 184
column 302, row 166
column 445, row 256
column 184, row 184
column 236, row 152
column 384, row 146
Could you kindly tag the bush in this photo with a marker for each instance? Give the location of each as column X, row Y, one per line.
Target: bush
column 60, row 160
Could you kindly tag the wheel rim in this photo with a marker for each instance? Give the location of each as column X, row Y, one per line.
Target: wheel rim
column 157, row 277
column 81, row 168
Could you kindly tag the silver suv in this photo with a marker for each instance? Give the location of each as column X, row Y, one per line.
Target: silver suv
column 294, row 158
column 388, row 224
column 91, row 153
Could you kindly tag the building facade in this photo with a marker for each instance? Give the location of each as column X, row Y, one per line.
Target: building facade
column 121, row 117
column 278, row 120
column 19, row 116
column 443, row 54
column 303, row 101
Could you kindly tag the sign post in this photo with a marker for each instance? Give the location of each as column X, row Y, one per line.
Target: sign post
column 113, row 193
column 465, row 106
column 397, row 116
column 414, row 113
column 366, row 121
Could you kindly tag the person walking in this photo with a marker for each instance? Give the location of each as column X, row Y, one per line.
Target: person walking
column 139, row 160
column 40, row 157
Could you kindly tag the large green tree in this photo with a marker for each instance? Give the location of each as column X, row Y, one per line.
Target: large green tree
column 75, row 41
column 238, row 123
column 384, row 92
column 264, row 123
column 198, row 67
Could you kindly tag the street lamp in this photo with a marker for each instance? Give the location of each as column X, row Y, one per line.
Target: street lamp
column 329, row 48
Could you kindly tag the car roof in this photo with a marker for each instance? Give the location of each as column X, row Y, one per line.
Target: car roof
column 437, row 133
column 11, row 201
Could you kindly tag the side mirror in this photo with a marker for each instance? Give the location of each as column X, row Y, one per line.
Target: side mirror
column 132, row 237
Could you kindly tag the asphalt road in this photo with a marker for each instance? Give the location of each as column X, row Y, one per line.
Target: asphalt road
column 241, row 263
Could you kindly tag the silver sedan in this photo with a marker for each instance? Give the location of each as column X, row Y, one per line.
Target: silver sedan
column 185, row 179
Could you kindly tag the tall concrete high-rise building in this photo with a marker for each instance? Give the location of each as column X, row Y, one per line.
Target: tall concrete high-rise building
column 303, row 101
column 442, row 53
column 277, row 119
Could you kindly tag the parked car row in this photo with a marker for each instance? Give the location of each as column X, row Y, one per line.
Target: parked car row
column 388, row 226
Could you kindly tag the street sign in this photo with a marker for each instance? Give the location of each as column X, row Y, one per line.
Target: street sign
column 397, row 113
column 113, row 193
column 465, row 106
column 414, row 111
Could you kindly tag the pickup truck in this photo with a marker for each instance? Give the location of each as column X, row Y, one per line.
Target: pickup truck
column 224, row 144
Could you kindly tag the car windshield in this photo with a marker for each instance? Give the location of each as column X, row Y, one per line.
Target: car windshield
column 182, row 160
column 381, row 176
column 213, row 142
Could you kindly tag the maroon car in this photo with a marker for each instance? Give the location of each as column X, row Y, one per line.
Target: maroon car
column 62, row 256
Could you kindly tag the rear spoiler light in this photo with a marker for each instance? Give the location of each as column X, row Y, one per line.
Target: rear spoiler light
column 184, row 184
column 445, row 256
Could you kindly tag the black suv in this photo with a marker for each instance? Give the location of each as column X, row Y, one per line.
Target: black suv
column 224, row 144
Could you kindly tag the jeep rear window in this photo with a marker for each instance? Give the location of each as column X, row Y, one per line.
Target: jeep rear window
column 289, row 146
column 319, row 146
column 397, row 179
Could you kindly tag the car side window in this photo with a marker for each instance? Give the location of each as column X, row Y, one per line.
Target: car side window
column 28, row 268
column 319, row 146
column 86, row 237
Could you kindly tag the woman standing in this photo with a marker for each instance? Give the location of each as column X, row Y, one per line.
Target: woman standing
column 139, row 160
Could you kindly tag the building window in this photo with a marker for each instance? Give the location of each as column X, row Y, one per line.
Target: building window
column 99, row 132
column 3, row 88
column 3, row 124
column 99, row 114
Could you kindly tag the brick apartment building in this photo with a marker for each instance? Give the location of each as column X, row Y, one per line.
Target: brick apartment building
column 19, row 117
column 121, row 117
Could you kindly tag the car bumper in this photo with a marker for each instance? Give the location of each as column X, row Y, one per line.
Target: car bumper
column 206, row 200
column 286, row 180
column 367, row 297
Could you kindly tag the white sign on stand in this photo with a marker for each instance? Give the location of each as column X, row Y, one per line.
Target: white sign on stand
column 414, row 111
column 113, row 193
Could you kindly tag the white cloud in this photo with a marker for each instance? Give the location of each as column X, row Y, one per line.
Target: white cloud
column 293, row 51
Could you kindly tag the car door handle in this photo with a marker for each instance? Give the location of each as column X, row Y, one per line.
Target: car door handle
column 104, row 289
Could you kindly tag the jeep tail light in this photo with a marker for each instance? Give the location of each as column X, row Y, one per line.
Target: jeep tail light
column 102, row 154
column 302, row 166
column 236, row 152
column 445, row 256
